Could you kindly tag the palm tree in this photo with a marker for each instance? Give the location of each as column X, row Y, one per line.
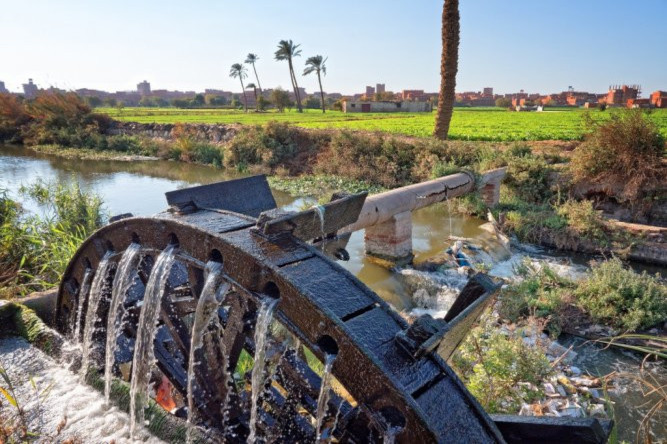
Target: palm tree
column 287, row 50
column 316, row 64
column 251, row 59
column 239, row 71
column 254, row 89
column 449, row 64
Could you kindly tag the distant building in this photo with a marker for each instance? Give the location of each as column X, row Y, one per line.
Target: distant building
column 659, row 99
column 379, row 88
column 3, row 90
column 413, row 94
column 370, row 91
column 487, row 92
column 144, row 88
column 30, row 90
column 639, row 103
column 619, row 95
column 386, row 107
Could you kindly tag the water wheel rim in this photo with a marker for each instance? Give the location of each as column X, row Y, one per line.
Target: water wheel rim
column 433, row 402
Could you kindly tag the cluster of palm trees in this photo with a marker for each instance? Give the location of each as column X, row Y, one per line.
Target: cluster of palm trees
column 286, row 51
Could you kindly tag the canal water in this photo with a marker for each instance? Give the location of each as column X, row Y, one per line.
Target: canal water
column 138, row 187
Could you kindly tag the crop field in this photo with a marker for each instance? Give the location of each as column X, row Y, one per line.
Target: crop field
column 493, row 124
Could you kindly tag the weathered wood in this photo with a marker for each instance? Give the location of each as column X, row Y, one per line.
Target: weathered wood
column 549, row 430
column 318, row 221
column 249, row 196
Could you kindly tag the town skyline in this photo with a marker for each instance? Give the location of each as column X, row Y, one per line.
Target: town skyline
column 535, row 46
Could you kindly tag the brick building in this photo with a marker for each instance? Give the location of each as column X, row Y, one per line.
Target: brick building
column 619, row 95
column 379, row 88
column 659, row 99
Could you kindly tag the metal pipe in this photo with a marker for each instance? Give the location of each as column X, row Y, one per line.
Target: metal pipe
column 381, row 207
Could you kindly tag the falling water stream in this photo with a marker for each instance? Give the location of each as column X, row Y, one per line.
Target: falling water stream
column 264, row 318
column 323, row 398
column 121, row 284
column 144, row 356
column 91, row 313
column 83, row 291
column 209, row 301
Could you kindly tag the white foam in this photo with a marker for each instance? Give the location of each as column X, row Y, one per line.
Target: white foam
column 88, row 417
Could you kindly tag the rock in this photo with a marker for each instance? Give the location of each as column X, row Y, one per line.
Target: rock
column 561, row 390
column 549, row 389
column 585, row 382
column 575, row 370
column 565, row 382
column 597, row 410
column 526, row 410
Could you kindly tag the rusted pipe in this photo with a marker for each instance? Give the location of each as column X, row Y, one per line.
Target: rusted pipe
column 381, row 207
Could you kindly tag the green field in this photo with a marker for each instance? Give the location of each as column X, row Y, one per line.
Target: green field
column 493, row 124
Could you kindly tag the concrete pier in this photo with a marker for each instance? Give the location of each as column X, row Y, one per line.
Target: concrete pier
column 387, row 217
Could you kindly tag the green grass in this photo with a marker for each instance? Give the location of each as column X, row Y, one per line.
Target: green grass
column 492, row 124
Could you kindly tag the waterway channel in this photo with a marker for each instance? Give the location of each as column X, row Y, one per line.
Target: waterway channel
column 138, row 187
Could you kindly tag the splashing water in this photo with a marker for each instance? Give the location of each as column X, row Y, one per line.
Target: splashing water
column 91, row 313
column 209, row 301
column 449, row 214
column 146, row 331
column 337, row 417
column 323, row 398
column 121, row 284
column 83, row 291
column 319, row 210
column 264, row 318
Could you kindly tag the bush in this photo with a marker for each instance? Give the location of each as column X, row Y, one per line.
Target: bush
column 276, row 144
column 623, row 156
column 540, row 293
column 614, row 295
column 584, row 219
column 63, row 119
column 12, row 117
column 36, row 249
column 493, row 364
column 528, row 177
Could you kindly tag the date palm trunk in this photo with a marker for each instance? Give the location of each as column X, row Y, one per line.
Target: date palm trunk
column 319, row 79
column 296, row 86
column 245, row 99
column 259, row 85
column 448, row 67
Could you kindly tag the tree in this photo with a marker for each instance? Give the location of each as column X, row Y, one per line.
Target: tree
column 254, row 89
column 198, row 100
column 239, row 71
column 316, row 64
column 262, row 103
column 280, row 99
column 287, row 50
column 251, row 59
column 503, row 102
column 93, row 101
column 449, row 64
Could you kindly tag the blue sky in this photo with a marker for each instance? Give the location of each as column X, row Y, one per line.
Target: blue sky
column 535, row 45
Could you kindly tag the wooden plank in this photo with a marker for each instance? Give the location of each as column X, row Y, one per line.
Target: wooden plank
column 249, row 196
column 318, row 221
column 552, row 430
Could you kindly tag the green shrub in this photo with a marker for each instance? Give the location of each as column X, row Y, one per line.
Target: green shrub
column 493, row 364
column 207, row 154
column 617, row 296
column 528, row 178
column 36, row 249
column 623, row 155
column 272, row 145
column 539, row 293
column 584, row 219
